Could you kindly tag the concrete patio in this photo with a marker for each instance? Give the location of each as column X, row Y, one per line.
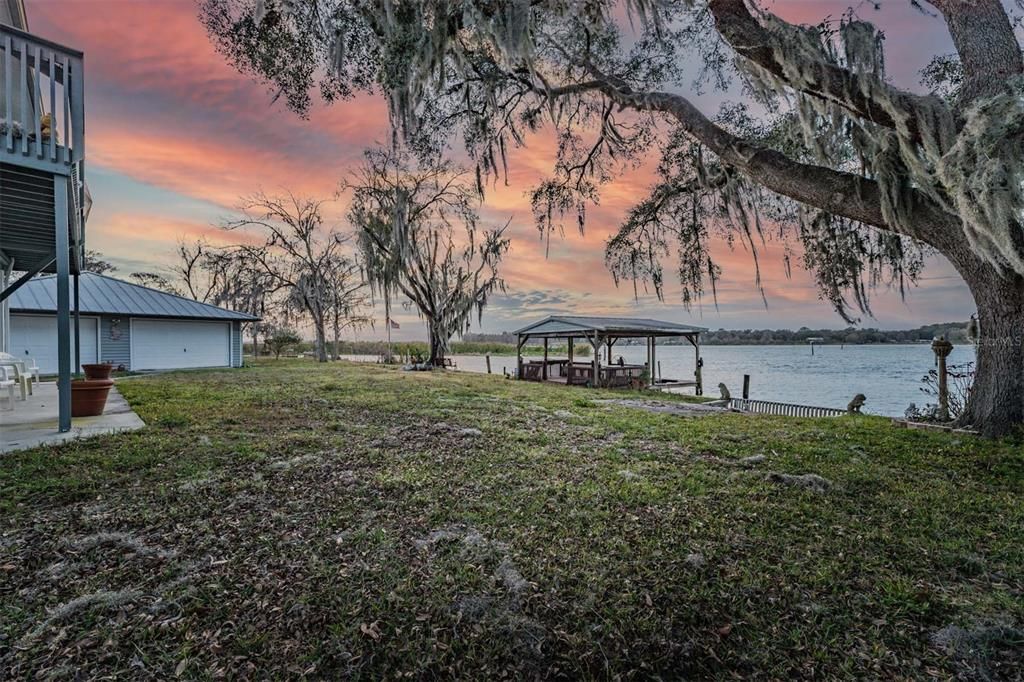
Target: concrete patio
column 33, row 422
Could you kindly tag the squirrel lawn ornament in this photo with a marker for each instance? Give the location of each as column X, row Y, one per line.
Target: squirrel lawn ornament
column 725, row 400
column 854, row 405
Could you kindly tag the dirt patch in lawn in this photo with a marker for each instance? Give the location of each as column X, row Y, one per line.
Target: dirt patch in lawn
column 664, row 407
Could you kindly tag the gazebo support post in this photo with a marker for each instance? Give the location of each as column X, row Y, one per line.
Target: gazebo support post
column 544, row 369
column 650, row 361
column 698, row 373
column 520, row 340
column 596, row 343
column 654, row 359
column 568, row 374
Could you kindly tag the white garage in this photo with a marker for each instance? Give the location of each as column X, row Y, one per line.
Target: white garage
column 133, row 327
column 35, row 336
column 180, row 344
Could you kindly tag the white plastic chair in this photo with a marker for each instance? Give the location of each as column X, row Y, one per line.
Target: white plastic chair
column 14, row 370
column 32, row 369
column 25, row 366
column 8, row 383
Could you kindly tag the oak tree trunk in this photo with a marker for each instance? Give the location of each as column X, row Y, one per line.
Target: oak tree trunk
column 321, row 339
column 437, row 343
column 996, row 404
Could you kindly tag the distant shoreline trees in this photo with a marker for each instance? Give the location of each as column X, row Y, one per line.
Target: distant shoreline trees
column 953, row 331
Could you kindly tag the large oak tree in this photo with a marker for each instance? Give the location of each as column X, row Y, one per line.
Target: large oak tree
column 862, row 174
column 420, row 237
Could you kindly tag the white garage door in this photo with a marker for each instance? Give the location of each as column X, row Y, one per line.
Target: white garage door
column 35, row 336
column 178, row 344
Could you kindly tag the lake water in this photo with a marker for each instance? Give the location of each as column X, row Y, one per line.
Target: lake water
column 889, row 375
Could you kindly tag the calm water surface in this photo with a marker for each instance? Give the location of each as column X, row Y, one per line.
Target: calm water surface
column 889, row 375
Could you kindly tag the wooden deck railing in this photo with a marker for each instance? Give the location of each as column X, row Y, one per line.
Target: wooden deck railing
column 42, row 109
column 783, row 409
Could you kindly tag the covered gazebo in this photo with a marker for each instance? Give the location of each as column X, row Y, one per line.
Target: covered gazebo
column 603, row 333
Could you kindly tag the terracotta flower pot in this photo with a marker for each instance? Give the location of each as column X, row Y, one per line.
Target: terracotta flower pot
column 89, row 396
column 100, row 370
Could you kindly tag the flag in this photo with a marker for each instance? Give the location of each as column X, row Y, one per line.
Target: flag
column 394, row 325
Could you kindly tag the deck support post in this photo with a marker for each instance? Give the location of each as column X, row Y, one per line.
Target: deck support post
column 544, row 369
column 78, row 340
column 6, row 269
column 60, row 209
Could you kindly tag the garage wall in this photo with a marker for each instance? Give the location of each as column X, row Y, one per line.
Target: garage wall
column 116, row 342
column 236, row 344
column 35, row 336
column 159, row 343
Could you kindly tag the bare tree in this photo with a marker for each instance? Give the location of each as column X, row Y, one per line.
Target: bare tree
column 155, row 280
column 95, row 263
column 299, row 254
column 248, row 288
column 859, row 172
column 407, row 217
column 204, row 271
column 348, row 299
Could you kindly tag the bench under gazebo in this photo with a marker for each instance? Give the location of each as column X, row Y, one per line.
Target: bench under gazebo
column 603, row 333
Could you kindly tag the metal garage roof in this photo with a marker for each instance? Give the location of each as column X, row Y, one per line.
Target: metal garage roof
column 100, row 294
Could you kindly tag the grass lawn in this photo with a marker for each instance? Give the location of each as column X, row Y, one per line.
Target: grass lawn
column 349, row 520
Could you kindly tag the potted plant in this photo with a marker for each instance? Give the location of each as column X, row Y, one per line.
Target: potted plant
column 89, row 395
column 100, row 370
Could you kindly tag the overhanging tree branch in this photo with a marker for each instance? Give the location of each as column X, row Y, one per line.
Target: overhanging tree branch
column 864, row 95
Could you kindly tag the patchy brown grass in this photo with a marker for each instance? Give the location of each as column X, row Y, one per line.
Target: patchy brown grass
column 294, row 519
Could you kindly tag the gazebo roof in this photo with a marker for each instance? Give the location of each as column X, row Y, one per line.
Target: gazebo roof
column 579, row 325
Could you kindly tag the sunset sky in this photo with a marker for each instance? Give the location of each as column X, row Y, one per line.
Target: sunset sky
column 175, row 136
